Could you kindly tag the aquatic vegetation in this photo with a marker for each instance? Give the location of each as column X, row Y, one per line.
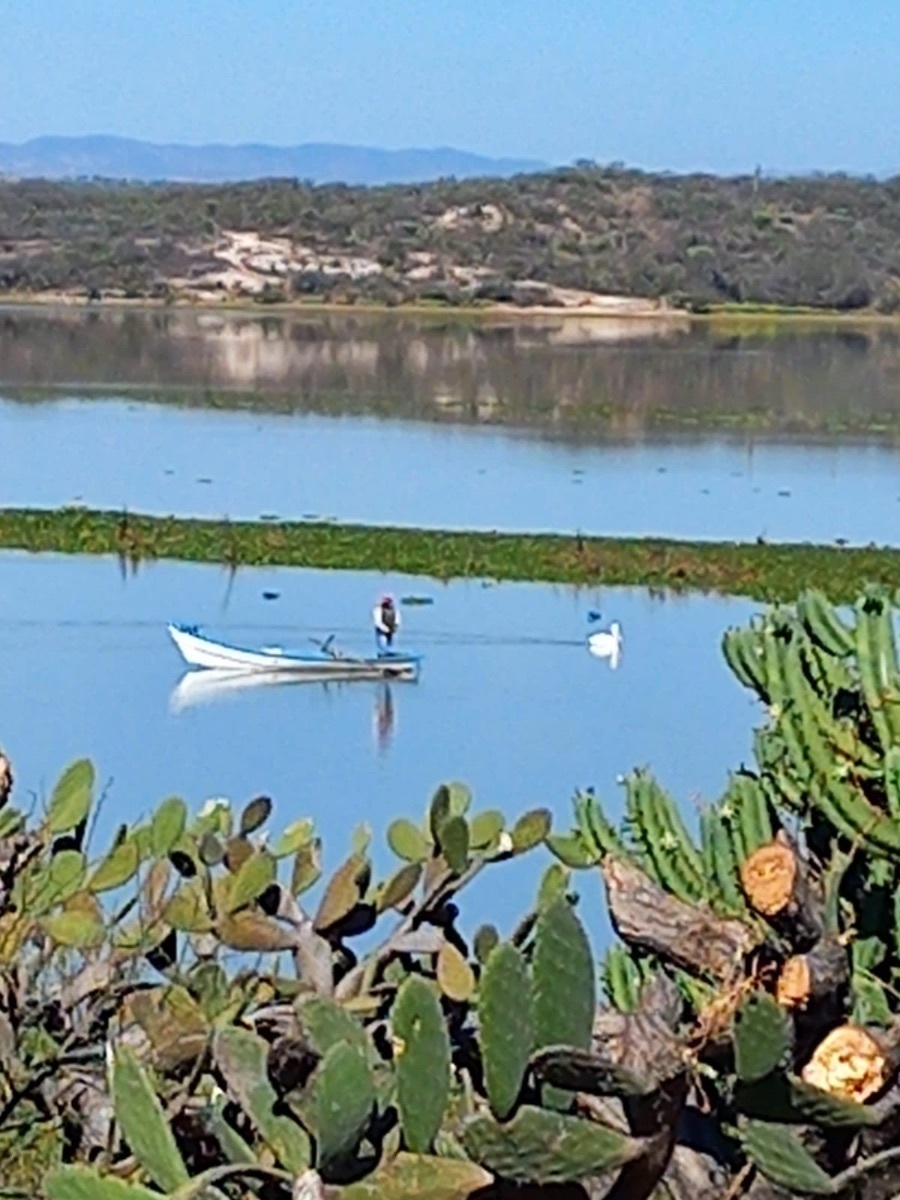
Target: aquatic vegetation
column 764, row 571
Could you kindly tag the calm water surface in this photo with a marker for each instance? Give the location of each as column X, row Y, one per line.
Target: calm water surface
column 604, row 426
column 195, row 462
column 509, row 701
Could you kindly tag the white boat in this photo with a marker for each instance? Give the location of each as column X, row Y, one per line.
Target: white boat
column 198, row 650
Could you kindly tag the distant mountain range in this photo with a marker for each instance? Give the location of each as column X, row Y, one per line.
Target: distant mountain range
column 321, row 162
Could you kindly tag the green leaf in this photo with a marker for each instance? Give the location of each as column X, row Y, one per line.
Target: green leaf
column 120, row 865
column 762, row 1036
column 307, row 868
column 485, row 828
column 506, row 1026
column 296, row 835
column 72, row 797
column 454, row 843
column 143, row 1122
column 438, row 812
column 242, row 1057
column 59, row 880
column 421, row 1062
column 542, row 1147
column 251, row 880
column 486, row 938
column 255, row 815
column 571, row 850
column 343, row 892
column 780, row 1155
column 187, row 910
column 408, row 841
column 343, row 1098
column 455, row 977
column 401, row 885
column 565, row 988
column 420, row 1177
column 167, row 825
column 84, row 1183
column 531, row 830
column 553, row 885
column 78, row 929
column 327, row 1023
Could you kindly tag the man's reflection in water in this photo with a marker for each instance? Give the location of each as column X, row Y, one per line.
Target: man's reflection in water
column 383, row 722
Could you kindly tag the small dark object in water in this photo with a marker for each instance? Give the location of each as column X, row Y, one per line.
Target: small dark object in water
column 594, row 615
column 784, row 492
column 271, row 595
column 409, row 601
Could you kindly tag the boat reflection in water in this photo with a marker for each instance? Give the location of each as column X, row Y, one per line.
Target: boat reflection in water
column 384, row 718
column 206, row 687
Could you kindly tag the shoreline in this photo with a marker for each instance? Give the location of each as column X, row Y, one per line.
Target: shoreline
column 765, row 572
column 653, row 312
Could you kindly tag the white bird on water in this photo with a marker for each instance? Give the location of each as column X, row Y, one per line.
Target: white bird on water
column 607, row 643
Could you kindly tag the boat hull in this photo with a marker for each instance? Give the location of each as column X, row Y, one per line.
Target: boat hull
column 200, row 651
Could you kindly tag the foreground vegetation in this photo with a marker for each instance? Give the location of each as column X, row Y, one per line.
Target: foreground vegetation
column 759, row 570
column 179, row 1019
column 696, row 240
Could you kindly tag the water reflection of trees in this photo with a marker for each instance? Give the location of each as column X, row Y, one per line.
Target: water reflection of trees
column 572, row 378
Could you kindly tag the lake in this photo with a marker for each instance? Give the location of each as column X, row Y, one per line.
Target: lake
column 577, row 425
column 509, row 700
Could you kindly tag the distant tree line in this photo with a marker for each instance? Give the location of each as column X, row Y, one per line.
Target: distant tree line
column 827, row 241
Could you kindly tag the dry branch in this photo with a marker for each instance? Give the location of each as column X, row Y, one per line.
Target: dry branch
column 647, row 917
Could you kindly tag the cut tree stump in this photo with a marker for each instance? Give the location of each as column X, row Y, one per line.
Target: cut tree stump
column 777, row 886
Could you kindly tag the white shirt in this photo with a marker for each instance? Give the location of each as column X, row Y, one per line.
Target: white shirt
column 378, row 619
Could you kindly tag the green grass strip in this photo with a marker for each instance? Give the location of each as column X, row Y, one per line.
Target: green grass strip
column 762, row 571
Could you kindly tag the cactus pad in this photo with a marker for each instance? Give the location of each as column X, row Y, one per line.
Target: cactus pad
column 762, row 1037
column 780, row 1155
column 422, row 1062
column 540, row 1147
column 506, row 1026
column 564, row 986
column 343, row 1099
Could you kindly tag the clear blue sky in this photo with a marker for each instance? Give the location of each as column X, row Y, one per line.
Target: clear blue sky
column 680, row 84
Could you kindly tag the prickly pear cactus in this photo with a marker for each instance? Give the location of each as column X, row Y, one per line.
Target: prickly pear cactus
column 343, row 1101
column 506, row 1020
column 540, row 1147
column 422, row 1062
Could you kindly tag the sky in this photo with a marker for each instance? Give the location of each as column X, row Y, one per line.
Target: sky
column 720, row 85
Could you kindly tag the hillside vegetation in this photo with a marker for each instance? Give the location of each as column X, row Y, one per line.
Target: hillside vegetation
column 564, row 238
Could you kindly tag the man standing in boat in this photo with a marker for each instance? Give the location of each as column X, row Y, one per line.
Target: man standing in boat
column 387, row 622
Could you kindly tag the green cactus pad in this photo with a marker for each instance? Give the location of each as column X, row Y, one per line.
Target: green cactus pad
column 786, row 1100
column 779, row 1154
column 422, row 1062
column 342, row 1102
column 506, row 1026
column 72, row 797
column 454, row 840
column 144, row 1125
column 84, row 1183
column 762, row 1037
column 241, row 1057
column 539, row 1147
column 419, row 1177
column 327, row 1024
column 572, row 850
column 531, row 829
column 564, row 984
column 408, row 841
